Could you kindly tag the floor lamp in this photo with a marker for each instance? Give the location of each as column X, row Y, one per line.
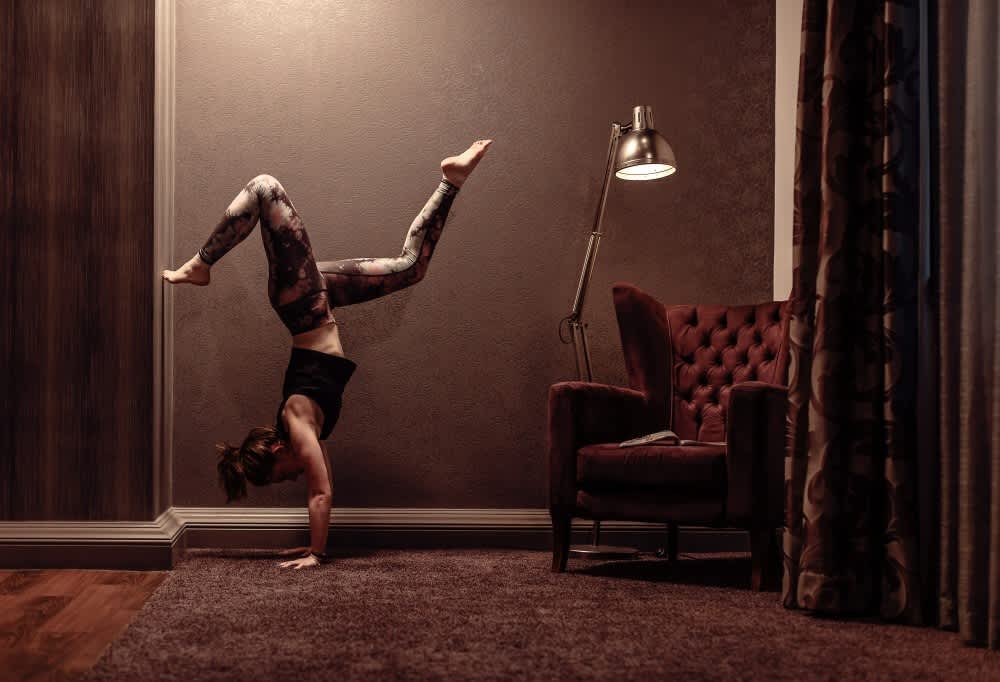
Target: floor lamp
column 636, row 152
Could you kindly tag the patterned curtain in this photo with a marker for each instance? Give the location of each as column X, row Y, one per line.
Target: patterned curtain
column 850, row 537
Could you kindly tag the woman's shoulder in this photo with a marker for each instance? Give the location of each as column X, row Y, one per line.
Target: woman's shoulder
column 301, row 410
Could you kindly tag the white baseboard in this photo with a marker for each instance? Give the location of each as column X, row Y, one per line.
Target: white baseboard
column 387, row 518
column 156, row 545
column 124, row 545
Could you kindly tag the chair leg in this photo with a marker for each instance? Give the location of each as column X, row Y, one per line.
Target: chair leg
column 561, row 526
column 672, row 541
column 765, row 559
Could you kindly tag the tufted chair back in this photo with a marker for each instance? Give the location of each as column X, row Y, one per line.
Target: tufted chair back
column 686, row 358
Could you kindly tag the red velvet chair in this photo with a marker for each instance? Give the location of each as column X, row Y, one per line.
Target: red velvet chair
column 708, row 373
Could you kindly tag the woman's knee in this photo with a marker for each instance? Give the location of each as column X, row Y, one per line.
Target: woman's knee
column 264, row 181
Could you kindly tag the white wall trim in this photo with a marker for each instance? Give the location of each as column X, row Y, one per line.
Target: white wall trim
column 158, row 544
column 176, row 520
column 389, row 518
column 163, row 240
column 164, row 530
column 118, row 545
column 171, row 523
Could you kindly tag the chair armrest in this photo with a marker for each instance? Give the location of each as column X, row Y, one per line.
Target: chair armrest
column 582, row 413
column 755, row 454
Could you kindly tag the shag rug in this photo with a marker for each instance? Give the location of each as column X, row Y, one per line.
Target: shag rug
column 501, row 614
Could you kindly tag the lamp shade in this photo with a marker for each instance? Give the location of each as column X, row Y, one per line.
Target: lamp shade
column 642, row 153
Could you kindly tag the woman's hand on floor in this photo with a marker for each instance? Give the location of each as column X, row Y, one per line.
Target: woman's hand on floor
column 295, row 551
column 304, row 562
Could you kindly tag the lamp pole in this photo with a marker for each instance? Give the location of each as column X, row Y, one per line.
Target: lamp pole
column 578, row 333
column 644, row 155
column 578, row 329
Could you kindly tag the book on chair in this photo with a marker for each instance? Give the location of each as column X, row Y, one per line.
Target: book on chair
column 666, row 437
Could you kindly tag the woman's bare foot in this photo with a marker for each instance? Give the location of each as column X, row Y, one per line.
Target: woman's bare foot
column 195, row 271
column 457, row 168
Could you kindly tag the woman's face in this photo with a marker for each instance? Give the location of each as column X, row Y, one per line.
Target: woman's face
column 285, row 467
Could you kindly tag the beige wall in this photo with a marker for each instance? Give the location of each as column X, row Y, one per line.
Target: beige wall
column 788, row 39
column 352, row 106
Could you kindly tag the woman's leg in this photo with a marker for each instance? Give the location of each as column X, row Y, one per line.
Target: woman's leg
column 361, row 279
column 294, row 274
column 295, row 287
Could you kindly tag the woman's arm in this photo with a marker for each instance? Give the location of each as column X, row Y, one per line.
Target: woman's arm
column 307, row 447
column 311, row 454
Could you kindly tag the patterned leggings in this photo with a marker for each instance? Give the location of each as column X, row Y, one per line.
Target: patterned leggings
column 303, row 291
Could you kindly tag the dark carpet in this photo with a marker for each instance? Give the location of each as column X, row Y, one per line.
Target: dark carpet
column 500, row 614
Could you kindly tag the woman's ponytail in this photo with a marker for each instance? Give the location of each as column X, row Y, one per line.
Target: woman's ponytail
column 253, row 461
column 232, row 478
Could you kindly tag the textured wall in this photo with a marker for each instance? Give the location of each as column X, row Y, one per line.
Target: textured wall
column 352, row 106
column 76, row 259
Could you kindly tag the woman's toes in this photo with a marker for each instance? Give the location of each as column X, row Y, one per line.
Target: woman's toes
column 457, row 168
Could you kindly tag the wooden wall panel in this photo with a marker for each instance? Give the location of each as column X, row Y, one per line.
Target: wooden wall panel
column 76, row 91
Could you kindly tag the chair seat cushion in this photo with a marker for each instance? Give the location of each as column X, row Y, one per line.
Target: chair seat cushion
column 693, row 468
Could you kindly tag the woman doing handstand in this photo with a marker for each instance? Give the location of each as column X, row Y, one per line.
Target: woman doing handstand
column 304, row 292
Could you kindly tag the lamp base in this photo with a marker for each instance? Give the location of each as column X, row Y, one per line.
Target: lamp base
column 603, row 552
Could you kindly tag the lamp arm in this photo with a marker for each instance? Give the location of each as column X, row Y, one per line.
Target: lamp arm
column 595, row 235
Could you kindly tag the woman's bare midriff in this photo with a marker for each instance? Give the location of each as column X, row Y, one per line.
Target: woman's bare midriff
column 325, row 339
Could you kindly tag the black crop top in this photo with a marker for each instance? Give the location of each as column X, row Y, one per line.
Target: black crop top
column 320, row 376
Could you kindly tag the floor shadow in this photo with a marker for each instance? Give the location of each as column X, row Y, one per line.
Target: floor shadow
column 713, row 571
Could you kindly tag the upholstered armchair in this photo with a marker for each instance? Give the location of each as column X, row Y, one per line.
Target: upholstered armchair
column 708, row 373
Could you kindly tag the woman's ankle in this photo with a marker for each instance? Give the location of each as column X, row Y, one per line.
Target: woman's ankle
column 449, row 186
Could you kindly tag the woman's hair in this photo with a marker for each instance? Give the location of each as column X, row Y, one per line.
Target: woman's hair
column 252, row 461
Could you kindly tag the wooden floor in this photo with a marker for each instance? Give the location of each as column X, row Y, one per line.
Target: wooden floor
column 55, row 623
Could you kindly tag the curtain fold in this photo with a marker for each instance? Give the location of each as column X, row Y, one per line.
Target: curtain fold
column 850, row 536
column 966, row 110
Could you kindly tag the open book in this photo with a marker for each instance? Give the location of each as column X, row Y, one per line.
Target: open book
column 665, row 438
